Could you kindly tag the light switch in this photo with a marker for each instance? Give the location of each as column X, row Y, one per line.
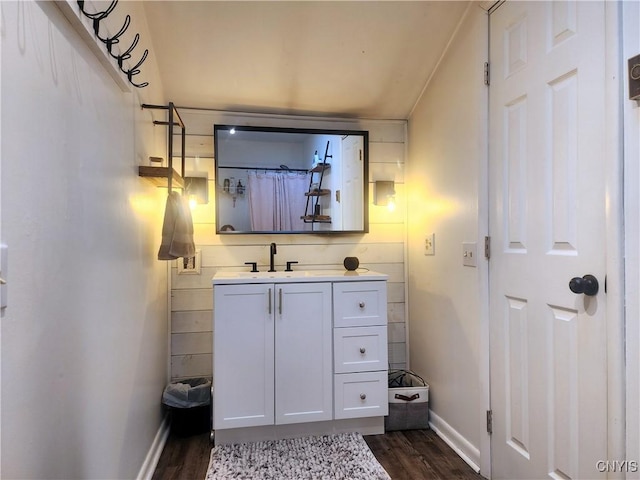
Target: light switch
column 430, row 244
column 469, row 254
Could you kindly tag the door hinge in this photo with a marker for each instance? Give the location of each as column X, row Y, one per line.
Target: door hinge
column 487, row 247
column 486, row 73
column 360, row 155
column 489, row 422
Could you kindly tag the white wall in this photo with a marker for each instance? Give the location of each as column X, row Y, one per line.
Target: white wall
column 382, row 249
column 84, row 336
column 447, row 148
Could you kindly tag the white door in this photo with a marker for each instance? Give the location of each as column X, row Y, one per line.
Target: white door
column 352, row 182
column 547, row 225
column 243, row 366
column 304, row 376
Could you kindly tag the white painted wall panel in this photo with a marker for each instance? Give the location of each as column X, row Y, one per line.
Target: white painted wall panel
column 191, row 365
column 84, row 337
column 191, row 321
column 446, row 151
column 193, row 342
column 191, row 299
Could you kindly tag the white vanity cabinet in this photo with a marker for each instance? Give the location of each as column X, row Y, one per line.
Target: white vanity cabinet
column 298, row 353
column 273, row 354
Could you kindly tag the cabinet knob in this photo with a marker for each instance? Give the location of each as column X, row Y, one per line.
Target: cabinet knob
column 361, row 304
column 363, row 396
column 363, row 350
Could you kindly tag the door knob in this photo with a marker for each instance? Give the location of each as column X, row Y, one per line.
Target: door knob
column 587, row 285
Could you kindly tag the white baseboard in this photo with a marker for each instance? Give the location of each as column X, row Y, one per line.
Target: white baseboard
column 153, row 455
column 457, row 442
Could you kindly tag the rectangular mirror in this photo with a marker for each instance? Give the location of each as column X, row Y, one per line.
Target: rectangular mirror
column 288, row 180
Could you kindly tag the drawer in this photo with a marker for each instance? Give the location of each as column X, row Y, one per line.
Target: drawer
column 360, row 349
column 357, row 304
column 360, row 395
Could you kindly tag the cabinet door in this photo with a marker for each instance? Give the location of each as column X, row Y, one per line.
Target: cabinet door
column 243, row 366
column 303, row 353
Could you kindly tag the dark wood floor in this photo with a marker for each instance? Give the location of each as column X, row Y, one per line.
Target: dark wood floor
column 406, row 455
column 418, row 454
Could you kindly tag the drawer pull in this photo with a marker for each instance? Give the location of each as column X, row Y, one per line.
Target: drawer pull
column 363, row 396
column 361, row 304
column 363, row 350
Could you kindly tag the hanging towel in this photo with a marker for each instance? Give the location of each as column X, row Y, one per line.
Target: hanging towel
column 177, row 230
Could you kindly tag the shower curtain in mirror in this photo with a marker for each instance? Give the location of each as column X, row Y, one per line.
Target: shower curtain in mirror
column 277, row 200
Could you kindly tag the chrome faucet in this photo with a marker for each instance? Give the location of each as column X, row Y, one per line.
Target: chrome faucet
column 272, row 252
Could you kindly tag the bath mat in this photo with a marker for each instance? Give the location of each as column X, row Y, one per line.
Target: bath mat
column 332, row 457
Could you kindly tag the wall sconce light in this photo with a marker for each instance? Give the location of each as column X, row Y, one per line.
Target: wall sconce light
column 196, row 189
column 384, row 194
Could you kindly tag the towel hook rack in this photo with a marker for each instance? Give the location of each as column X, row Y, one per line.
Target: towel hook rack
column 112, row 40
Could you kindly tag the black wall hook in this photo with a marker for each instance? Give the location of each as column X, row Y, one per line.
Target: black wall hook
column 112, row 40
column 97, row 15
column 135, row 71
column 127, row 54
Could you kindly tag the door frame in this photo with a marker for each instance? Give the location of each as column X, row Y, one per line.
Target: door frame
column 631, row 47
column 614, row 233
column 614, row 238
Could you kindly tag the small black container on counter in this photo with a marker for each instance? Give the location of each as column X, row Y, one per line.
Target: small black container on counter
column 351, row 263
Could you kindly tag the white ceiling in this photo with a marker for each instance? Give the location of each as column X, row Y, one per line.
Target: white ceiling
column 362, row 59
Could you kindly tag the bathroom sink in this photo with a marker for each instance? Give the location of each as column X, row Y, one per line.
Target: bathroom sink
column 225, row 277
column 264, row 274
column 237, row 277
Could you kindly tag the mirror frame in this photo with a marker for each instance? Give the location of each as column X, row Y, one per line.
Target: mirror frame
column 317, row 131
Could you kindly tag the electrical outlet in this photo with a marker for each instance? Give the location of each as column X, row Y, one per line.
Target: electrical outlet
column 190, row 265
column 430, row 244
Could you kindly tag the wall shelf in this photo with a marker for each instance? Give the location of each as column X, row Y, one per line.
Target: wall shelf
column 160, row 175
column 165, row 176
column 316, row 218
column 321, row 167
column 318, row 193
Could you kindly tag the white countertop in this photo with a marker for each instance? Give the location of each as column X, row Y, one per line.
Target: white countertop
column 297, row 276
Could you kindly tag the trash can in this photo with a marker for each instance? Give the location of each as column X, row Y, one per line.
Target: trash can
column 189, row 403
column 408, row 401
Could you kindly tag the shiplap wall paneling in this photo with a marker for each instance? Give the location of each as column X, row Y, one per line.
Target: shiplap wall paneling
column 382, row 249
